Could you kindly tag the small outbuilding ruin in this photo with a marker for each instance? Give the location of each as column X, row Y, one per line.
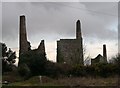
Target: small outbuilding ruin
column 100, row 58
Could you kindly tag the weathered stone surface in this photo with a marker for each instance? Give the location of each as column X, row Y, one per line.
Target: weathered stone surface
column 100, row 58
column 41, row 48
column 71, row 50
column 78, row 30
column 24, row 45
column 104, row 53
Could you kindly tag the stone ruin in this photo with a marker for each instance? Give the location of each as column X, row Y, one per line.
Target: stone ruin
column 23, row 42
column 70, row 51
column 24, row 45
column 100, row 58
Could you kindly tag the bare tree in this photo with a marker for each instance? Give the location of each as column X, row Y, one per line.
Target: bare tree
column 86, row 59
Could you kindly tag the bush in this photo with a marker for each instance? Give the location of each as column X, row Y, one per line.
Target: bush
column 51, row 69
column 36, row 62
column 90, row 70
column 102, row 70
column 56, row 70
column 78, row 70
column 105, row 70
column 24, row 71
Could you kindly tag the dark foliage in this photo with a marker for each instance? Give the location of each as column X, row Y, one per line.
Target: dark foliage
column 102, row 70
column 78, row 70
column 24, row 71
column 51, row 69
column 32, row 64
column 8, row 58
column 57, row 69
column 35, row 62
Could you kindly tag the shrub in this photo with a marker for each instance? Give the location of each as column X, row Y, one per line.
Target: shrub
column 57, row 69
column 51, row 69
column 24, row 71
column 36, row 62
column 78, row 70
column 100, row 69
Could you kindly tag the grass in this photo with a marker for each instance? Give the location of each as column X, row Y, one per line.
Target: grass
column 15, row 80
column 78, row 81
column 34, row 81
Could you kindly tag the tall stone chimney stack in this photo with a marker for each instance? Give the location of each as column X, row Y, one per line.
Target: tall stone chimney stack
column 78, row 30
column 23, row 43
column 105, row 52
column 79, row 39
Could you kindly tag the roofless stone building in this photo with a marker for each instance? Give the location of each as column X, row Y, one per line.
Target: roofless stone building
column 24, row 45
column 100, row 58
column 71, row 50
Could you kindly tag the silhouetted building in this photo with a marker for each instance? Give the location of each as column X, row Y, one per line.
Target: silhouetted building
column 24, row 45
column 104, row 53
column 100, row 58
column 71, row 50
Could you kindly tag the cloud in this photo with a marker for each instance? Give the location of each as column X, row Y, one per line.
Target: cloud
column 56, row 18
column 52, row 21
column 60, row 1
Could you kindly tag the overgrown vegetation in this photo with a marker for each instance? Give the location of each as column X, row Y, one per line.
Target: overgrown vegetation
column 31, row 64
column 98, row 69
column 8, row 58
column 102, row 70
column 36, row 64
column 71, row 82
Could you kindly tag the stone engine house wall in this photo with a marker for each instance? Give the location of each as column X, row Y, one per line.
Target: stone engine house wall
column 71, row 50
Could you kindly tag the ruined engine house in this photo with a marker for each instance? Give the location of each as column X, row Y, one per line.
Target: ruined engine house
column 70, row 51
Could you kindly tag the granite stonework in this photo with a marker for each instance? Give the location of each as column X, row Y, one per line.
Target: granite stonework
column 70, row 51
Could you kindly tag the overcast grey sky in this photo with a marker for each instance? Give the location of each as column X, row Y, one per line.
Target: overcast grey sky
column 55, row 20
